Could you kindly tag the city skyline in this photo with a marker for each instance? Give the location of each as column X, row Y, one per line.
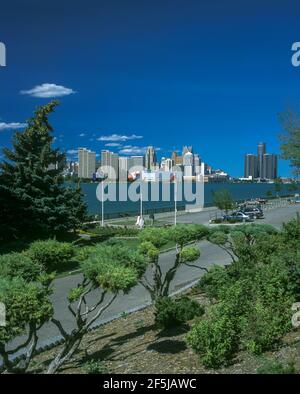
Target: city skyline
column 128, row 75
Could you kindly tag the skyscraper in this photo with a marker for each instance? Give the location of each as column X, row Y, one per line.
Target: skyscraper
column 123, row 169
column 87, row 163
column 261, row 150
column 177, row 160
column 110, row 164
column 263, row 166
column 251, row 166
column 150, row 158
column 188, row 163
column 197, row 164
column 136, row 163
column 269, row 166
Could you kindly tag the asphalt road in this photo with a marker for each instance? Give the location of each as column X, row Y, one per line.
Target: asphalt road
column 210, row 254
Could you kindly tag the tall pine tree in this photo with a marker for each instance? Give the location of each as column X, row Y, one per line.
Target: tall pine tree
column 33, row 197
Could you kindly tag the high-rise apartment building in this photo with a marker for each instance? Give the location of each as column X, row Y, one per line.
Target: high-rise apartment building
column 197, row 164
column 188, row 164
column 136, row 163
column 86, row 163
column 123, row 169
column 168, row 164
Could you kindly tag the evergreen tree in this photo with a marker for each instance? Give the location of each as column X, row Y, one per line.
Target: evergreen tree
column 34, row 199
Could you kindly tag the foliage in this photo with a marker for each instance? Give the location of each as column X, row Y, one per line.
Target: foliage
column 173, row 312
column 152, row 238
column 113, row 277
column 95, row 367
column 182, row 234
column 157, row 236
column 110, row 270
column 84, row 252
column 112, row 231
column 291, row 230
column 276, row 367
column 51, row 254
column 147, row 248
column 103, row 255
column 223, row 200
column 19, row 265
column 32, row 187
column 254, row 294
column 290, row 147
column 214, row 338
column 213, row 281
column 189, row 254
column 26, row 304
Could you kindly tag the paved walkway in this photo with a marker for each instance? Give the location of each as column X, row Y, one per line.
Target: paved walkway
column 210, row 254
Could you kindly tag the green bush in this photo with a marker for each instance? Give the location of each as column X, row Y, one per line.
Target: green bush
column 51, row 254
column 19, row 265
column 157, row 236
column 213, row 281
column 174, row 312
column 107, row 232
column 84, row 252
column 264, row 326
column 215, row 338
column 278, row 368
column 26, row 303
column 291, row 230
column 191, row 253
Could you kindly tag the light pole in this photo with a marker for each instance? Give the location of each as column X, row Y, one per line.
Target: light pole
column 102, row 198
column 175, row 201
column 141, row 199
column 102, row 203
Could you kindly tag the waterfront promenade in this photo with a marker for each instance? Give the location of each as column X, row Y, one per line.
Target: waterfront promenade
column 138, row 297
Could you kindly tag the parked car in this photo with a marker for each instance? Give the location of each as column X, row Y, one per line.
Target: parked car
column 238, row 216
column 262, row 200
column 254, row 212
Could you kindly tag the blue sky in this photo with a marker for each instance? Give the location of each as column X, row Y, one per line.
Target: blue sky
column 213, row 74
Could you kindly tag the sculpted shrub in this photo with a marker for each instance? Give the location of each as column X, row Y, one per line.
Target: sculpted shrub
column 51, row 254
column 19, row 265
column 173, row 312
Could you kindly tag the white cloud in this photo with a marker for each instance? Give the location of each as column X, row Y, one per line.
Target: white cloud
column 118, row 137
column 12, row 126
column 116, row 144
column 82, row 134
column 72, row 152
column 48, row 90
column 133, row 150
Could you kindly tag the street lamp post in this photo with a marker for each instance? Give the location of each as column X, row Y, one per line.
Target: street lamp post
column 102, row 203
column 141, row 199
column 175, row 202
